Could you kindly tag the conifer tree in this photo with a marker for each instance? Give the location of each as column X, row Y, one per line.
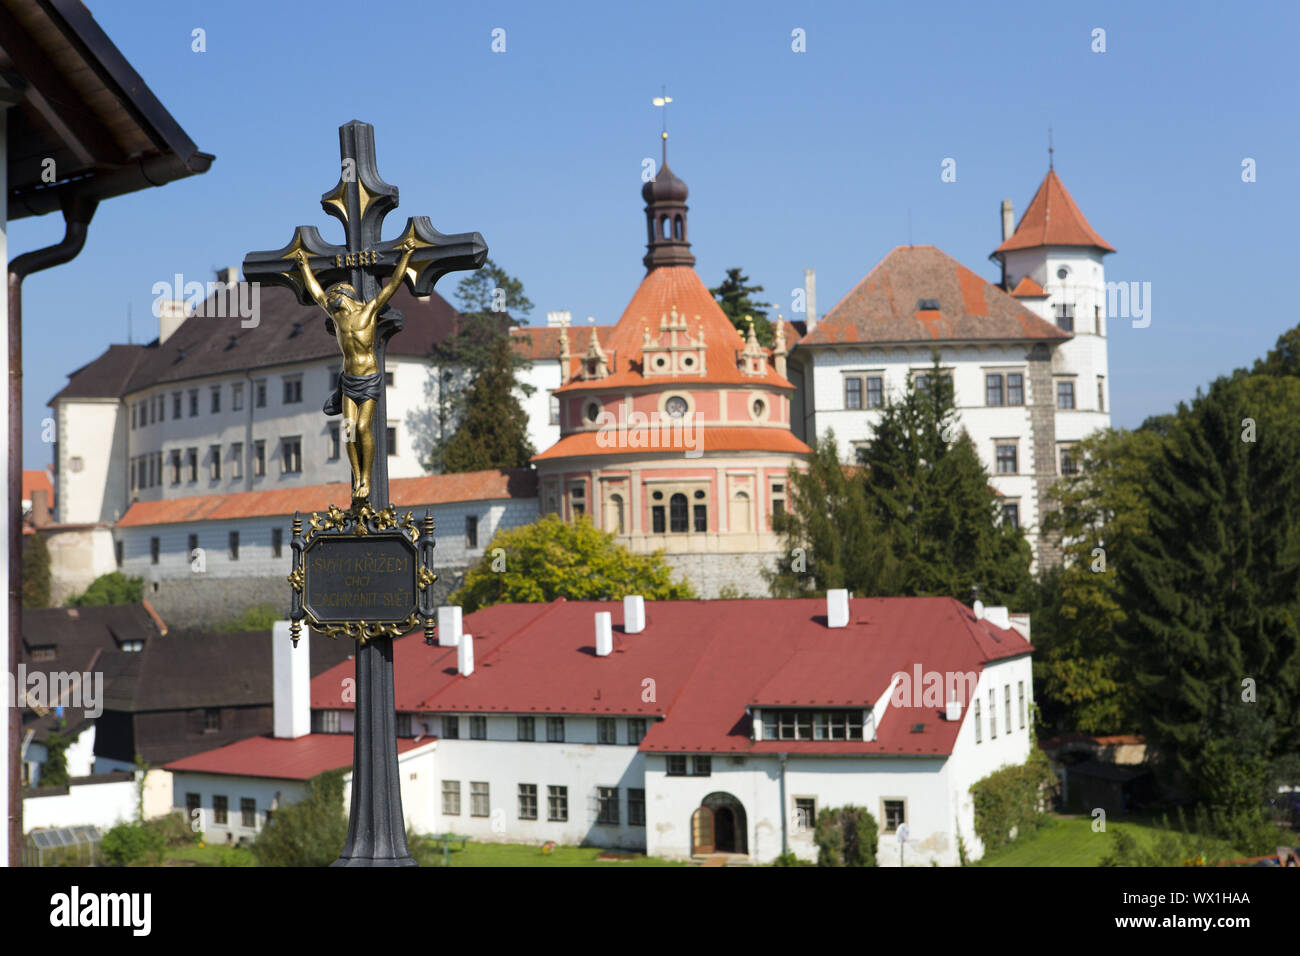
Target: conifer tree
column 494, row 431
column 733, row 298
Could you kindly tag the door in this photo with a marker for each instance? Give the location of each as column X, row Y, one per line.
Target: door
column 702, row 831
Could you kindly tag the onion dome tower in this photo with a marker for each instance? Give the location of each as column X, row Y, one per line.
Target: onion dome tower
column 665, row 217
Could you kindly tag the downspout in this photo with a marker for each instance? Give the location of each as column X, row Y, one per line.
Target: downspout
column 77, row 213
column 785, row 816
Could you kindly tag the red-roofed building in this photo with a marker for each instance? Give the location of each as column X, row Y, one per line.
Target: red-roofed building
column 675, row 430
column 1026, row 356
column 700, row 726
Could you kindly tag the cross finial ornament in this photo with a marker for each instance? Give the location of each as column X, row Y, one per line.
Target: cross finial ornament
column 662, row 102
column 344, row 280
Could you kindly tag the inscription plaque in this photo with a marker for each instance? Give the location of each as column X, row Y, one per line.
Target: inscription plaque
column 371, row 578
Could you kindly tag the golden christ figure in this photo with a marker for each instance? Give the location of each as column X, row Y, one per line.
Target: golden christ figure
column 361, row 382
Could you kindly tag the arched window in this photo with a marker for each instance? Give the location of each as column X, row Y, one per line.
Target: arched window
column 665, row 227
column 614, row 515
column 677, row 227
column 677, row 514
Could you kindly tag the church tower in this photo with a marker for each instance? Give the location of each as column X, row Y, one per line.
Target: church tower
column 665, row 219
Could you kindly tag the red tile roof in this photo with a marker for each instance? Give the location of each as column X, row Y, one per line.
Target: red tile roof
column 1053, row 219
column 1027, row 288
column 543, row 342
column 34, row 480
column 709, row 662
column 403, row 492
column 705, row 438
column 662, row 290
column 300, row 758
column 884, row 306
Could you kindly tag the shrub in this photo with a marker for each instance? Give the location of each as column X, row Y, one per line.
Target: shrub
column 1011, row 800
column 846, row 836
column 309, row 833
column 172, row 830
column 113, row 588
column 129, row 843
column 36, row 571
column 257, row 617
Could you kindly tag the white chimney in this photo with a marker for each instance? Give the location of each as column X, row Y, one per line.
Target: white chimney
column 1008, row 219
column 999, row 616
column 604, row 634
column 449, row 626
column 633, row 614
column 978, row 609
column 465, row 655
column 171, row 313
column 810, row 298
column 1021, row 623
column 953, row 711
column 290, row 683
column 555, row 320
column 837, row 607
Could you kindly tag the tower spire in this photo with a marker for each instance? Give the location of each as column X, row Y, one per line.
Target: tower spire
column 1050, row 151
column 662, row 102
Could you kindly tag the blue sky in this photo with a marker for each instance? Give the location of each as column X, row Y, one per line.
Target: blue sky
column 793, row 159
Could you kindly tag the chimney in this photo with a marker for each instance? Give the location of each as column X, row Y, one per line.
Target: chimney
column 449, row 622
column 290, row 684
column 40, row 507
column 465, row 655
column 837, row 607
column 953, row 711
column 229, row 276
column 171, row 313
column 604, row 634
column 633, row 614
column 1008, row 219
column 999, row 616
column 810, row 298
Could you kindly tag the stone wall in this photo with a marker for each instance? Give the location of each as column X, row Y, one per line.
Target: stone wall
column 740, row 574
column 1043, row 418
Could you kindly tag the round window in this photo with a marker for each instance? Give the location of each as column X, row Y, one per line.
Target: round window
column 688, row 361
column 661, row 361
column 759, row 407
column 675, row 406
column 593, row 411
column 699, row 494
column 659, row 496
column 1062, row 272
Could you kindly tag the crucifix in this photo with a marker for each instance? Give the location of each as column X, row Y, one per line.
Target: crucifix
column 345, row 281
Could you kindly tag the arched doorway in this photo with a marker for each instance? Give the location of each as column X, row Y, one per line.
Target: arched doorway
column 719, row 825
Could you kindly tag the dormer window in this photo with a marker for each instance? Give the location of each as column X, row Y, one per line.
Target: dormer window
column 927, row 305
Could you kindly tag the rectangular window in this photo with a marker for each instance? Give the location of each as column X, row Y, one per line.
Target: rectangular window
column 555, row 410
column 1096, row 314
column 1011, row 514
column 607, row 806
column 220, row 808
column 216, row 399
column 234, row 546
column 176, row 404
column 895, row 815
column 636, row 808
column 1065, row 395
column 1068, row 464
column 391, row 433
column 555, row 730
column 528, row 801
column 153, row 411
column 194, row 545
column 335, row 446
column 477, row 727
column 117, row 553
column 875, row 392
column 1015, row 388
column 479, row 803
column 557, row 804
column 292, row 389
column 192, row 803
column 135, row 414
column 701, row 766
column 635, row 730
column 1006, row 696
column 993, row 715
column 211, row 720
column 805, row 813
column 404, row 725
column 978, row 731
column 192, row 460
column 1006, row 459
column 1101, row 393
column 676, row 765
column 451, row 798
column 291, row 455
column 778, row 499
column 237, row 397
column 335, row 372
column 214, row 462
column 1021, row 689
column 259, row 458
column 657, row 523
column 853, row 393
column 155, row 547
column 606, row 730
column 259, row 393
column 237, row 459
column 194, row 402
column 700, row 518
column 993, row 389
column 325, row 722
column 277, row 542
column 451, row 727
column 388, row 378
column 248, row 812
column 471, row 531
column 1065, row 317
column 525, row 728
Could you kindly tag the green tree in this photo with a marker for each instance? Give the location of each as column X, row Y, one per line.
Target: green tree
column 733, row 297
column 1211, row 593
column 846, row 836
column 550, row 558
column 36, row 571
column 494, row 430
column 112, row 588
column 308, row 833
column 54, row 772
column 1283, row 358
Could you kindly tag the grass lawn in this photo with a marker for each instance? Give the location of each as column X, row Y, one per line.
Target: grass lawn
column 1070, row 841
column 208, row 855
column 518, row 854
